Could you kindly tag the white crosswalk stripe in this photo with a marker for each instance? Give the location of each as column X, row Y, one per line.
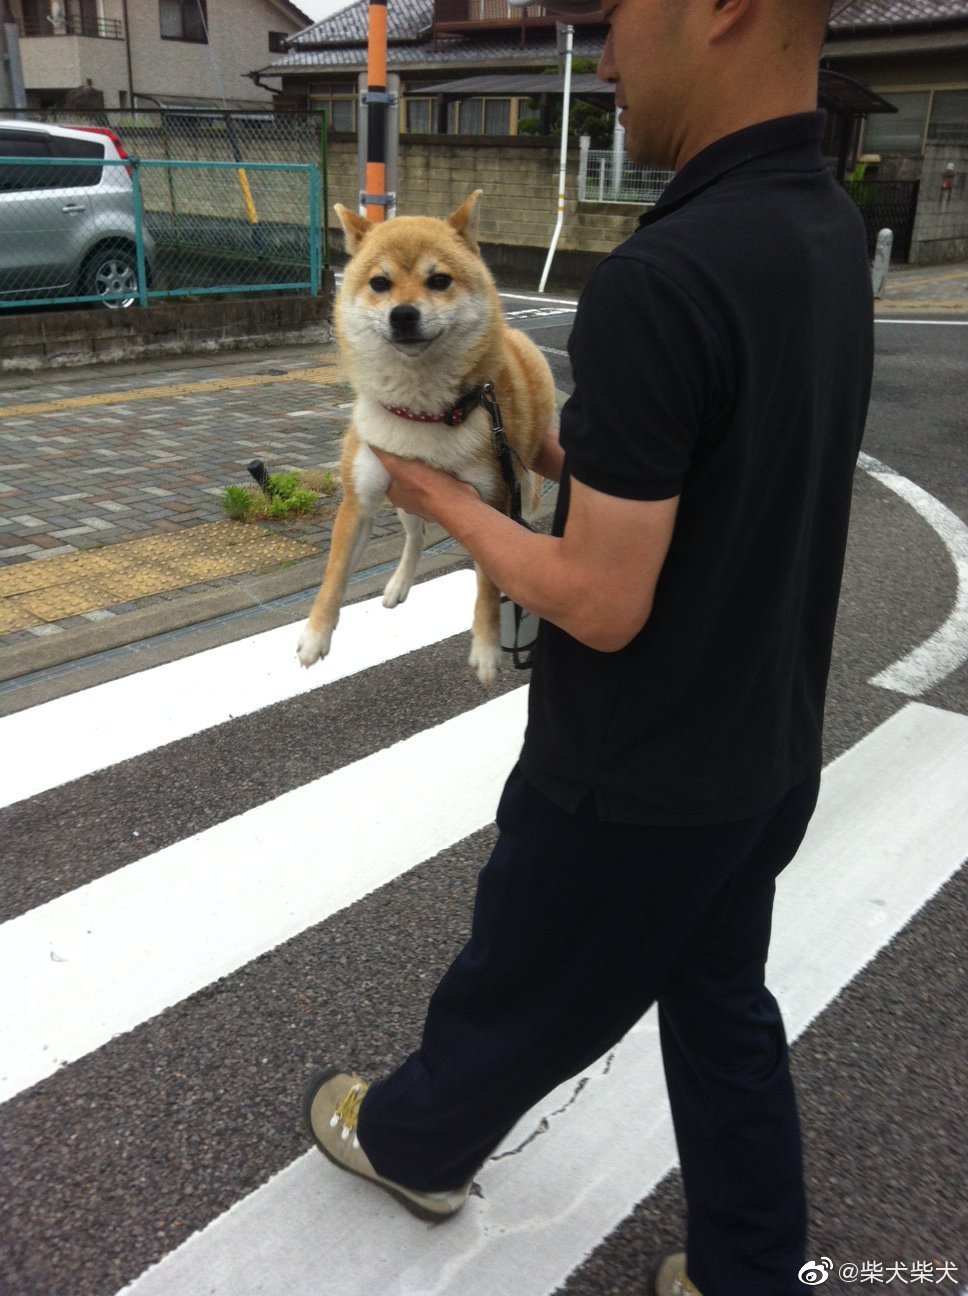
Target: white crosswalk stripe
column 100, row 962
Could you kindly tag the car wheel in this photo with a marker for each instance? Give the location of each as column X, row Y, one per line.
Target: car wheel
column 112, row 269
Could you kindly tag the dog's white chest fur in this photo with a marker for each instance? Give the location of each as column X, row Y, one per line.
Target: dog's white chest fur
column 463, row 451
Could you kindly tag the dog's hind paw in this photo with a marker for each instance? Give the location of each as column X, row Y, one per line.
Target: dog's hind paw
column 313, row 645
column 485, row 659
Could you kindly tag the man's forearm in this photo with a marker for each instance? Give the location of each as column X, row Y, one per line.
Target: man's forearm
column 528, row 567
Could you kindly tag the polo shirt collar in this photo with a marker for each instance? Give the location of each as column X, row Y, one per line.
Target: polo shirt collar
column 798, row 137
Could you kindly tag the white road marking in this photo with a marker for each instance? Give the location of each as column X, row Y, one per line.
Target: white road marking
column 541, row 300
column 947, row 648
column 927, row 323
column 83, row 732
column 890, row 829
column 555, row 351
column 103, row 958
column 536, row 312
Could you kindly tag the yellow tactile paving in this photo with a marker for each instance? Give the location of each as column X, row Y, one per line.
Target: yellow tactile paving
column 14, row 618
column 41, row 573
column 53, row 589
column 326, row 375
column 59, row 602
column 923, row 307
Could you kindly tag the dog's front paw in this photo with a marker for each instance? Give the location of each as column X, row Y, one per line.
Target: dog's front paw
column 396, row 590
column 313, row 645
column 485, row 659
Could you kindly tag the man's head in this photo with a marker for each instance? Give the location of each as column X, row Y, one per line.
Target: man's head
column 687, row 72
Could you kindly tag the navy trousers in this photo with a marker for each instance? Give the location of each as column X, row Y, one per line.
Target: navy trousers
column 579, row 927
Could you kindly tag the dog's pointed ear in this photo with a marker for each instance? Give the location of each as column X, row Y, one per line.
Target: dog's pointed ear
column 461, row 219
column 355, row 227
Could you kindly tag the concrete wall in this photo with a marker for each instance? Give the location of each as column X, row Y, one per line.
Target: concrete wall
column 82, row 337
column 238, row 32
column 941, row 227
column 520, row 182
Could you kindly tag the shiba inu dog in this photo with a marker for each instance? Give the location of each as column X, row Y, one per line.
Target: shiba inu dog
column 420, row 329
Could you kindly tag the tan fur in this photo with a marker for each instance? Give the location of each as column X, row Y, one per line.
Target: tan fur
column 464, row 341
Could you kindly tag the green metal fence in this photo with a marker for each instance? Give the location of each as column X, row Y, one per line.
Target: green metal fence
column 120, row 231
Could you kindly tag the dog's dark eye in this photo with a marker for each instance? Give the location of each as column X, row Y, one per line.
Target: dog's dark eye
column 439, row 282
column 380, row 284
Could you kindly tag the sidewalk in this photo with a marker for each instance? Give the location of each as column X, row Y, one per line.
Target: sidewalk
column 918, row 291
column 111, row 525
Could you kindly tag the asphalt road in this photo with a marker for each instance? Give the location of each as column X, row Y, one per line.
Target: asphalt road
column 171, row 1093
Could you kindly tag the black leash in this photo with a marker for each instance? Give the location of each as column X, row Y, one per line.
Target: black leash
column 519, row 628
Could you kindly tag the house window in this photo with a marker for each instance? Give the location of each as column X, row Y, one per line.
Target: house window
column 482, row 117
column 899, row 134
column 420, row 116
column 277, row 42
column 949, row 117
column 184, row 20
column 338, row 101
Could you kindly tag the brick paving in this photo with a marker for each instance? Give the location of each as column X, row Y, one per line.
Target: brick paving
column 95, row 458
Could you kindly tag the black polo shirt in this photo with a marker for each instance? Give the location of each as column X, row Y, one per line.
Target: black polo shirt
column 723, row 354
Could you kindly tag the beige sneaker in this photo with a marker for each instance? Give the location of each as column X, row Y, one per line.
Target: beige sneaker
column 331, row 1108
column 671, row 1280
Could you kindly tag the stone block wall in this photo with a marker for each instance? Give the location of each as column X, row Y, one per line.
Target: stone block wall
column 941, row 226
column 519, row 177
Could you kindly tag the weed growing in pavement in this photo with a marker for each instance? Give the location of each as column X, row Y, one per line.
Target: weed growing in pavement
column 292, row 493
column 238, row 502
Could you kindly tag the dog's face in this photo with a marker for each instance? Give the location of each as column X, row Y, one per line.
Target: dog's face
column 413, row 288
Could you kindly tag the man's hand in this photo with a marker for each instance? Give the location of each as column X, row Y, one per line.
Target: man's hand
column 419, row 489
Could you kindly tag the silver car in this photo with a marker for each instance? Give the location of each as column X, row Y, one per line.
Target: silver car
column 67, row 230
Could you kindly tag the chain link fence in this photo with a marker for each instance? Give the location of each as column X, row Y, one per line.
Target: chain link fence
column 132, row 230
column 165, row 204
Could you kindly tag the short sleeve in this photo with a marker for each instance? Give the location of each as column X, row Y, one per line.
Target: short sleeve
column 648, row 372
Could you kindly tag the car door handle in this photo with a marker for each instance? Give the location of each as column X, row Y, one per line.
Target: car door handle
column 73, row 207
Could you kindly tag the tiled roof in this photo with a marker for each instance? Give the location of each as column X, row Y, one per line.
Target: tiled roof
column 893, row 13
column 462, row 52
column 340, row 39
column 407, row 20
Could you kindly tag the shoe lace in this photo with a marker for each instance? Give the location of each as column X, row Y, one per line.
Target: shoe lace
column 348, row 1108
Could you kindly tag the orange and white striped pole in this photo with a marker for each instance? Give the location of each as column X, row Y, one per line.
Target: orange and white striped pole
column 377, row 105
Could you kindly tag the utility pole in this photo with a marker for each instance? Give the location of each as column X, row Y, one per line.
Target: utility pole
column 12, row 92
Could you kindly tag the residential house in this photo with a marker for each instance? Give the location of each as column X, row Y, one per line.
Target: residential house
column 146, row 53
column 914, row 53
column 894, row 81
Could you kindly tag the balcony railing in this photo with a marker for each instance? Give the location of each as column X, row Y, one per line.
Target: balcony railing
column 464, row 15
column 74, row 25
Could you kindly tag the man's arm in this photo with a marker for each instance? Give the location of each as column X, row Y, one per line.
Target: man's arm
column 596, row 582
column 550, row 458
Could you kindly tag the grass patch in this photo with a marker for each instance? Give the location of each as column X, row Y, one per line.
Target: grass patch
column 292, row 494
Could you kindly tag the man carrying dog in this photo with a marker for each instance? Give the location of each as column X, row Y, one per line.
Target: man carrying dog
column 722, row 359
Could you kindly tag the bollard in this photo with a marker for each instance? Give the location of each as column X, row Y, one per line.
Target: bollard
column 258, row 470
column 882, row 262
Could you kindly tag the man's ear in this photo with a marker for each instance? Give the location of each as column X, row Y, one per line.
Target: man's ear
column 726, row 14
column 355, row 227
column 461, row 219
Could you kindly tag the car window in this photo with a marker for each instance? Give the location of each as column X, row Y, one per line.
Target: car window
column 14, row 178
column 76, row 177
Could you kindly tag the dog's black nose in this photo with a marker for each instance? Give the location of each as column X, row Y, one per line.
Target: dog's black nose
column 405, row 320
